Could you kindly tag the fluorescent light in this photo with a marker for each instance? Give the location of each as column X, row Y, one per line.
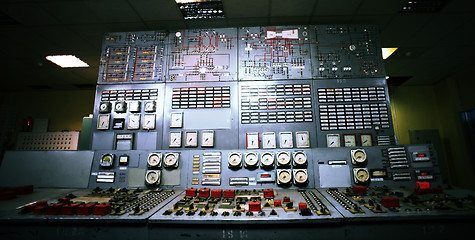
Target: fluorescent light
column 387, row 52
column 67, row 61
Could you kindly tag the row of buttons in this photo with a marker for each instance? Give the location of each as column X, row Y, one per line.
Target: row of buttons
column 353, row 116
column 137, row 94
column 351, row 94
column 275, row 103
column 276, row 117
column 276, row 90
column 201, row 97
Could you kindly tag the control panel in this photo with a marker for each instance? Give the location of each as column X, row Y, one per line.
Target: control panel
column 251, row 124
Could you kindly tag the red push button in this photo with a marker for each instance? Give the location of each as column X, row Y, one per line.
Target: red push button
column 217, row 193
column 390, row 202
column 204, row 192
column 268, row 193
column 229, row 193
column 255, row 206
column 191, row 192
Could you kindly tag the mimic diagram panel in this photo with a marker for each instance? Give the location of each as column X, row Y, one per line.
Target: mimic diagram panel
column 133, row 57
column 242, row 54
column 202, row 55
column 272, row 53
column 346, row 51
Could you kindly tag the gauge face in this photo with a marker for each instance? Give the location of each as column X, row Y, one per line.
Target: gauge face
column 153, row 177
column 134, row 106
column 300, row 176
column 300, row 158
column 149, row 106
column 134, row 122
column 235, row 160
column 366, row 140
column 358, row 156
column 361, row 175
column 252, row 140
column 103, row 122
column 155, row 160
column 283, row 176
column 350, row 140
column 176, row 120
column 333, row 140
column 267, row 159
column 171, row 160
column 107, row 160
column 251, row 159
column 191, row 139
column 207, row 138
column 105, row 107
column 283, row 158
column 148, row 122
column 302, row 139
column 175, row 139
column 286, row 140
column 120, row 107
column 268, row 140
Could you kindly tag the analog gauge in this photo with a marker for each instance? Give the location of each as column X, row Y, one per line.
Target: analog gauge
column 286, row 140
column 302, row 139
column 250, row 160
column 366, row 140
column 148, row 122
column 267, row 159
column 358, row 156
column 103, row 122
column 268, row 140
column 107, row 160
column 349, row 140
column 207, row 138
column 134, row 106
column 252, row 140
column 300, row 158
column 234, row 160
column 154, row 160
column 149, row 106
column 191, row 139
column 283, row 159
column 176, row 120
column 171, row 159
column 152, row 177
column 283, row 177
column 120, row 107
column 333, row 140
column 175, row 139
column 300, row 176
column 105, row 107
column 361, row 175
column 134, row 122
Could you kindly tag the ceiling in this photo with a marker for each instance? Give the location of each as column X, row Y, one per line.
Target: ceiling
column 432, row 46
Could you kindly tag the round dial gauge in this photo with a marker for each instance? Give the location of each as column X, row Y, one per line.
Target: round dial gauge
column 361, row 175
column 234, row 159
column 300, row 176
column 358, row 156
column 152, row 177
column 283, row 158
column 283, row 176
column 120, row 107
column 107, row 160
column 300, row 158
column 105, row 107
column 251, row 159
column 155, row 160
column 171, row 160
column 267, row 159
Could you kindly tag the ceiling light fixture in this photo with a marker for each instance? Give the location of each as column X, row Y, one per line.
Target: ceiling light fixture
column 387, row 52
column 67, row 61
column 201, row 9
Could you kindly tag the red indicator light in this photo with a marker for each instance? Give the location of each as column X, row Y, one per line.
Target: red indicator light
column 421, row 155
column 424, row 174
column 265, row 175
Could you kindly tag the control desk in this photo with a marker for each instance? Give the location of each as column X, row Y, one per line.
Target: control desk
column 239, row 133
